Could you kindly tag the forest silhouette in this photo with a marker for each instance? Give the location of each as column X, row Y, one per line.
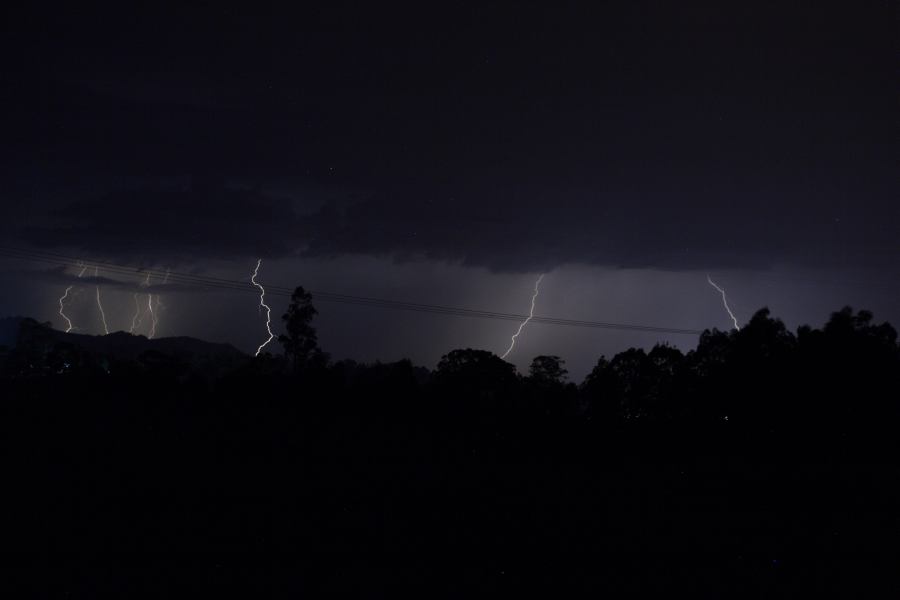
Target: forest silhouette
column 730, row 461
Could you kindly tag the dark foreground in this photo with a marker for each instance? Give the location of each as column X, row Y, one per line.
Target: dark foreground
column 364, row 481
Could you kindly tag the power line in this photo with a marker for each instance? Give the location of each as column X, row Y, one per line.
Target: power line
column 220, row 283
column 233, row 285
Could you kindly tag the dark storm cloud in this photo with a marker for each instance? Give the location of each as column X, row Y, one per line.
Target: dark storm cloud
column 543, row 229
column 513, row 137
column 135, row 282
column 206, row 220
column 66, row 275
column 516, row 228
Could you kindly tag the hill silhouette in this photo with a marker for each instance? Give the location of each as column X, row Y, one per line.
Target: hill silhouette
column 199, row 356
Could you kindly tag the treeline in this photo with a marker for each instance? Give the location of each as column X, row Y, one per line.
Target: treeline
column 845, row 375
column 758, row 446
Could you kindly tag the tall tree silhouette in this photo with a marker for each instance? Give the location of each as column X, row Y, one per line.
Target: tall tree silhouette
column 300, row 342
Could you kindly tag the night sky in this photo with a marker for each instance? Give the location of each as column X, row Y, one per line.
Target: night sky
column 448, row 154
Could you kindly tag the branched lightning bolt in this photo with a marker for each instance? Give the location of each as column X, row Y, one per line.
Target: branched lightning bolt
column 100, row 304
column 61, row 313
column 512, row 342
column 262, row 304
column 724, row 302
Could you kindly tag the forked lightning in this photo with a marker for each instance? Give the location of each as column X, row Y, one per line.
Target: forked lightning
column 512, row 342
column 724, row 302
column 99, row 303
column 262, row 304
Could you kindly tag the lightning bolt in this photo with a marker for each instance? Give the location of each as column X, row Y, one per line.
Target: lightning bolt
column 724, row 302
column 69, row 326
column 512, row 341
column 135, row 323
column 61, row 306
column 262, row 304
column 159, row 305
column 100, row 304
column 154, row 320
column 138, row 319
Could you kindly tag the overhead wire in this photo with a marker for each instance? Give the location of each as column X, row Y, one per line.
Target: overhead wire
column 220, row 283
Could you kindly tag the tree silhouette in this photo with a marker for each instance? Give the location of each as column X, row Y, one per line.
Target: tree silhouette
column 664, row 368
column 601, row 392
column 630, row 369
column 548, row 370
column 475, row 375
column 473, row 365
column 547, row 392
column 300, row 342
column 852, row 364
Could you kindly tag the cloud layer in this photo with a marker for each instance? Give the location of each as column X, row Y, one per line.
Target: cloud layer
column 519, row 229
